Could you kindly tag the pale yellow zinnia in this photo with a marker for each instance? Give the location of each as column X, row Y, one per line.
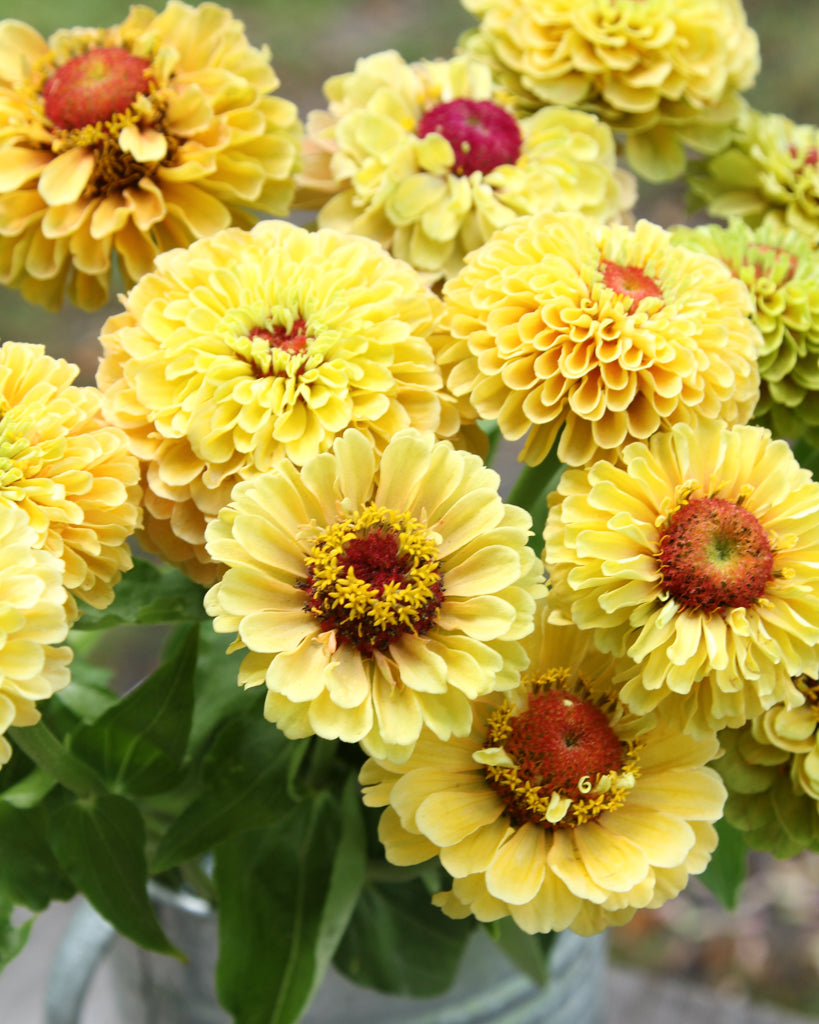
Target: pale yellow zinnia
column 69, row 470
column 560, row 809
column 694, row 556
column 376, row 594
column 667, row 73
column 253, row 346
column 130, row 140
column 32, row 619
column 601, row 333
column 429, row 159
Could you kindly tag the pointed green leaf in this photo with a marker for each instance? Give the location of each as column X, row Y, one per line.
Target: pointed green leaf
column 399, row 942
column 284, row 891
column 138, row 744
column 12, row 937
column 728, row 866
column 100, row 844
column 244, row 786
column 31, row 875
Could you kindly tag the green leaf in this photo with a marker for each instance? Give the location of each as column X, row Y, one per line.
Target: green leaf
column 399, row 942
column 138, row 745
column 31, row 875
column 243, row 786
column 12, row 937
column 100, row 844
column 289, row 892
column 54, row 758
column 529, row 953
column 218, row 695
column 728, row 866
column 148, row 593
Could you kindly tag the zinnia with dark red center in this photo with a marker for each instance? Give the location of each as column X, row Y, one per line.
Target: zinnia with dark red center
column 560, row 809
column 692, row 556
column 375, row 595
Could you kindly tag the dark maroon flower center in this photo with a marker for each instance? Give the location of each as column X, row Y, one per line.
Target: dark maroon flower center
column 715, row 555
column 93, row 87
column 482, row 134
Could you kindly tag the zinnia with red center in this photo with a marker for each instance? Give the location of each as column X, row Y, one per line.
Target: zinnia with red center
column 429, row 159
column 600, row 333
column 130, row 140
column 376, row 596
column 254, row 346
column 694, row 556
column 560, row 809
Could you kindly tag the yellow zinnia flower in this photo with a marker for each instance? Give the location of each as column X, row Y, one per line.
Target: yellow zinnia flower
column 559, row 809
column 769, row 171
column 771, row 770
column 253, row 346
column 69, row 471
column 695, row 557
column 428, row 159
column 606, row 332
column 132, row 140
column 375, row 595
column 667, row 73
column 32, row 618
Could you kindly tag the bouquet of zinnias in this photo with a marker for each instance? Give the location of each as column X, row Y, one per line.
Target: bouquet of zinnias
column 453, row 708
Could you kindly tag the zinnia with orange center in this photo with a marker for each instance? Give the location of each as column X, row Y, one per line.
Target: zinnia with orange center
column 376, row 595
column 68, row 469
column 253, row 346
column 694, row 556
column 601, row 333
column 132, row 140
column 560, row 809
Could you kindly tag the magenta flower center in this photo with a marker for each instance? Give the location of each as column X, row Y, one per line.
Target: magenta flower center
column 91, row 88
column 629, row 281
column 715, row 555
column 482, row 134
column 291, row 341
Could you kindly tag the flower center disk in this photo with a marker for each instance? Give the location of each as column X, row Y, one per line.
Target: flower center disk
column 715, row 555
column 482, row 134
column 558, row 763
column 630, row 281
column 93, row 87
column 373, row 577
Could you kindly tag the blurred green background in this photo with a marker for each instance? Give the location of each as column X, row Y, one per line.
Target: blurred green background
column 769, row 946
column 316, row 38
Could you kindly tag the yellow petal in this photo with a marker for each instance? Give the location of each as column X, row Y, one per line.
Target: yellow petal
column 66, row 176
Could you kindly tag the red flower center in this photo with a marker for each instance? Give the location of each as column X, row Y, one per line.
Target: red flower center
column 810, row 158
column 373, row 577
column 93, row 87
column 482, row 134
column 630, row 281
column 560, row 744
column 715, row 555
column 291, row 341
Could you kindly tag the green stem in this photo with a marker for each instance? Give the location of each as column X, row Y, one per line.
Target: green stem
column 531, row 490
